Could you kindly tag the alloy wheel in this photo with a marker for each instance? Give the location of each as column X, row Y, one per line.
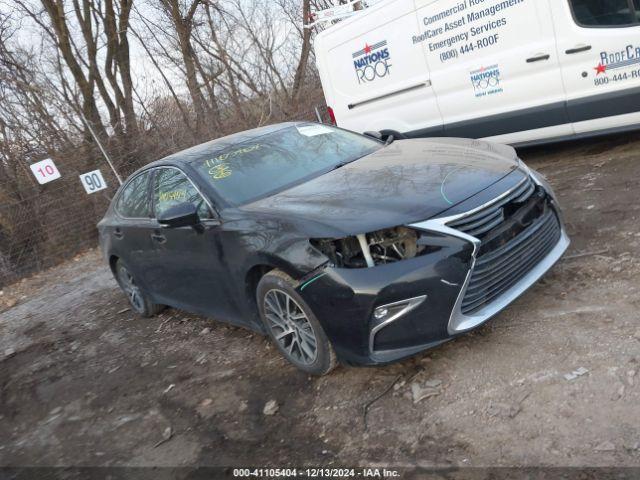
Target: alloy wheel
column 131, row 289
column 290, row 327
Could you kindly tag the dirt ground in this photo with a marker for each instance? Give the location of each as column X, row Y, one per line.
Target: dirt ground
column 85, row 382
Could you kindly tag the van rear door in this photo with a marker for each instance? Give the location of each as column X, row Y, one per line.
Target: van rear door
column 373, row 76
column 494, row 68
column 599, row 45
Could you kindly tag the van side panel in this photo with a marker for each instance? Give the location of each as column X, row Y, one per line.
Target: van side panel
column 513, row 71
column 494, row 66
column 373, row 76
column 600, row 69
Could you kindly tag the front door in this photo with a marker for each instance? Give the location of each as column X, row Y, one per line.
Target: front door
column 599, row 45
column 494, row 68
column 187, row 268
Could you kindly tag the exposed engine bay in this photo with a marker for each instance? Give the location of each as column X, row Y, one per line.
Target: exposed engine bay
column 377, row 248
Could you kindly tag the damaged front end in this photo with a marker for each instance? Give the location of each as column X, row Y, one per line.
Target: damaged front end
column 386, row 294
column 377, row 248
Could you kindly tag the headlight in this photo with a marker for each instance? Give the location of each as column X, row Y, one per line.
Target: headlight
column 377, row 248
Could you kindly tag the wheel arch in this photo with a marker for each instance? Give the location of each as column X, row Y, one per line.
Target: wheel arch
column 258, row 270
column 253, row 277
column 113, row 260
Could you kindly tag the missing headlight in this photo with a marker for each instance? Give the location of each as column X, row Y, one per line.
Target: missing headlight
column 385, row 246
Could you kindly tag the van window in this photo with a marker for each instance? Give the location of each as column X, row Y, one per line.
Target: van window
column 134, row 199
column 605, row 13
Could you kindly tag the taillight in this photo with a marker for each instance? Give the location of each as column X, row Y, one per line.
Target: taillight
column 332, row 115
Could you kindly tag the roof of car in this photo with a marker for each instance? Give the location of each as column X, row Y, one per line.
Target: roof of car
column 213, row 146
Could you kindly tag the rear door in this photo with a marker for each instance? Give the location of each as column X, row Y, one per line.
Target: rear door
column 374, row 74
column 599, row 45
column 131, row 231
column 494, row 68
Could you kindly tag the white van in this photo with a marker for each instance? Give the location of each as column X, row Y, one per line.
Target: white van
column 512, row 71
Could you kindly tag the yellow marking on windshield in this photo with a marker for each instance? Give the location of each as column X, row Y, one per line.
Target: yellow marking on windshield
column 228, row 155
column 220, row 171
column 173, row 195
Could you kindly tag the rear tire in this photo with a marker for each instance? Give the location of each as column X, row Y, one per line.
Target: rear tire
column 138, row 300
column 292, row 326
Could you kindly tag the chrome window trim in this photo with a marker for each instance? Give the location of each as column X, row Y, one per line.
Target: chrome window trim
column 459, row 322
column 412, row 304
column 121, row 193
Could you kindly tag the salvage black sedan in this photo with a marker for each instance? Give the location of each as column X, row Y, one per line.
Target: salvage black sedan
column 337, row 245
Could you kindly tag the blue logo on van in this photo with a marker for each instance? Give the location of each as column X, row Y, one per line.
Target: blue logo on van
column 622, row 58
column 372, row 62
column 486, row 81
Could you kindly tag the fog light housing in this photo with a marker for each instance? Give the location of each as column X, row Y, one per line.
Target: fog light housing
column 386, row 314
column 381, row 313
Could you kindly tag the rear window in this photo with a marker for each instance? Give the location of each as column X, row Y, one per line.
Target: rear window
column 134, row 199
column 275, row 161
column 606, row 13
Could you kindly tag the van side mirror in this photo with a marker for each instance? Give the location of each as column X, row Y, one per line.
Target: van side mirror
column 182, row 215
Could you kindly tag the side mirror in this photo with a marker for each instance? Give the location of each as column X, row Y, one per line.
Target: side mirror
column 376, row 135
column 181, row 215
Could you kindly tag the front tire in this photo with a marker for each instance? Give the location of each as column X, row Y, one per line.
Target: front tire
column 292, row 325
column 138, row 300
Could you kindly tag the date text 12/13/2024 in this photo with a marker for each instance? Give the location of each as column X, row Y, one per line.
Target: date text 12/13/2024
column 315, row 473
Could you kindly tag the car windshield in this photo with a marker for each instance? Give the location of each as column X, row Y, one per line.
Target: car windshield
column 278, row 160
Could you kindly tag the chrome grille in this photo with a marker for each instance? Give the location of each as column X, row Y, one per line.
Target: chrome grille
column 498, row 270
column 488, row 218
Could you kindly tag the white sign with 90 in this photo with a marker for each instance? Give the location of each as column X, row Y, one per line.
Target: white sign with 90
column 45, row 171
column 93, row 181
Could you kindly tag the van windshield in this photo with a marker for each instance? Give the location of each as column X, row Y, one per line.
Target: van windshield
column 276, row 161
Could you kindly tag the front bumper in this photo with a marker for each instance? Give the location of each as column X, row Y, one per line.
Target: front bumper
column 344, row 299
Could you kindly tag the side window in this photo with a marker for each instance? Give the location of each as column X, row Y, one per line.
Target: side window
column 134, row 199
column 172, row 187
column 605, row 13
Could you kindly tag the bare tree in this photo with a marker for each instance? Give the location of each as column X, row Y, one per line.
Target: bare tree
column 182, row 19
column 218, row 66
column 305, row 50
column 116, row 26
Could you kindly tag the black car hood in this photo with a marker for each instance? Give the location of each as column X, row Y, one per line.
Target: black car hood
column 406, row 182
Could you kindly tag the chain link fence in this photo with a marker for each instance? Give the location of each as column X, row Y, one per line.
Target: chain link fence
column 44, row 225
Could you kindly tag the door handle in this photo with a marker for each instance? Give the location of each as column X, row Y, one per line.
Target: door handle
column 583, row 48
column 539, row 58
column 118, row 234
column 158, row 238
